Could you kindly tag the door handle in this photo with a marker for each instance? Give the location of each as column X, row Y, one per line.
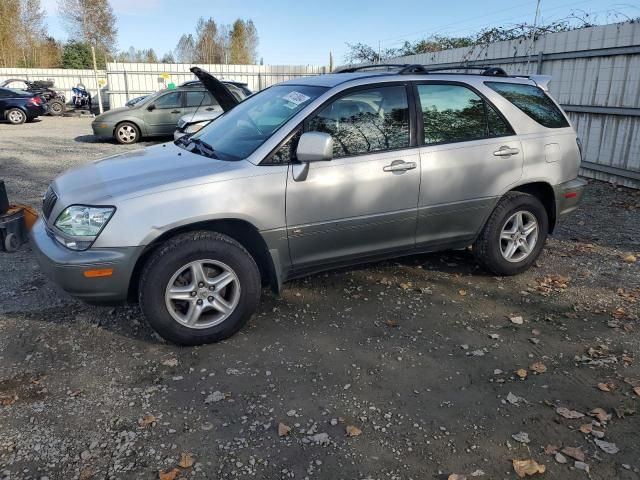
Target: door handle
column 505, row 151
column 175, row 111
column 399, row 166
column 209, row 109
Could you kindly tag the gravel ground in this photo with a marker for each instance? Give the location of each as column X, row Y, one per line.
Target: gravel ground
column 410, row 369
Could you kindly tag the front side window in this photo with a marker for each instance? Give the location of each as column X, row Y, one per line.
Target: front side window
column 200, row 98
column 454, row 113
column 240, row 131
column 366, row 121
column 169, row 100
column 532, row 101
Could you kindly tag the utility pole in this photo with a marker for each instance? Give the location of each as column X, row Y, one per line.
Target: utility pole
column 330, row 62
column 95, row 73
column 533, row 32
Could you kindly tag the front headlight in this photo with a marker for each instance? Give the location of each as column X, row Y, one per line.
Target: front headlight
column 82, row 221
column 195, row 127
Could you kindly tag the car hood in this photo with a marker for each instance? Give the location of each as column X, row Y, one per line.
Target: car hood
column 216, row 88
column 112, row 113
column 139, row 173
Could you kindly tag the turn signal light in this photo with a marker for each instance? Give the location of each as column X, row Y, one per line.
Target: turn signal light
column 571, row 195
column 102, row 272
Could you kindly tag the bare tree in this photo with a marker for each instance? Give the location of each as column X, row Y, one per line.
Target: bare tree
column 9, row 18
column 186, row 49
column 91, row 21
column 243, row 40
column 208, row 45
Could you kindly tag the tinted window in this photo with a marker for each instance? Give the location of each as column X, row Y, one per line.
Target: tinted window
column 532, row 101
column 170, row 100
column 238, row 132
column 366, row 121
column 197, row 99
column 497, row 125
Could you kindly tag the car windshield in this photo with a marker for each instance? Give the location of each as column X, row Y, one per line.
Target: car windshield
column 240, row 131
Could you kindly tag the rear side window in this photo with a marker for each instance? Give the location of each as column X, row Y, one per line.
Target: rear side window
column 454, row 113
column 199, row 98
column 532, row 101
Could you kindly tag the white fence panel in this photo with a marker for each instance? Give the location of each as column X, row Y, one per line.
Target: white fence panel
column 130, row 80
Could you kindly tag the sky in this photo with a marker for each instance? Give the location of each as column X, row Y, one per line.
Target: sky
column 303, row 33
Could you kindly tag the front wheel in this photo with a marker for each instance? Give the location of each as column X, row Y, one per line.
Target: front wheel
column 199, row 287
column 127, row 132
column 514, row 235
column 16, row 116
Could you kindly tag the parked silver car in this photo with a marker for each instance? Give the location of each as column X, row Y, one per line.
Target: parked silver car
column 308, row 175
column 158, row 114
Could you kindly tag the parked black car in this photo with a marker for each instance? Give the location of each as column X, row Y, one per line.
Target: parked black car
column 43, row 88
column 17, row 106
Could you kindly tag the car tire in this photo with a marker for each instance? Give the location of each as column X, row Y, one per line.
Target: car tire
column 513, row 236
column 56, row 108
column 183, row 294
column 126, row 133
column 16, row 116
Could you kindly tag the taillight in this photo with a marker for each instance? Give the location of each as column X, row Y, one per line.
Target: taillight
column 37, row 101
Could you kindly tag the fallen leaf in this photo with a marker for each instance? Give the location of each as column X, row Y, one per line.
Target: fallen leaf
column 538, row 367
column 600, row 414
column 607, row 447
column 462, row 292
column 605, row 387
column 6, row 400
column 574, row 452
column 170, row 362
column 86, row 473
column 391, row 323
column 527, row 467
column 186, row 461
column 169, row 474
column 551, row 449
column 586, row 428
column 566, row 413
column 405, row 286
column 456, row 476
column 352, row 431
column 283, row 429
column 619, row 313
column 581, row 466
column 147, row 420
column 522, row 373
column 518, row 320
column 636, row 390
column 630, row 259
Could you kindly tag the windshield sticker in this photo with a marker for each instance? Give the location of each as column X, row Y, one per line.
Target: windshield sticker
column 296, row 98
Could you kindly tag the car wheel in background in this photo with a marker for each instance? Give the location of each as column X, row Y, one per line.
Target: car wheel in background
column 56, row 108
column 514, row 235
column 16, row 116
column 126, row 132
column 199, row 287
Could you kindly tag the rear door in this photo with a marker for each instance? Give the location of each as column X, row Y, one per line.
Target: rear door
column 470, row 155
column 165, row 112
column 363, row 202
column 200, row 101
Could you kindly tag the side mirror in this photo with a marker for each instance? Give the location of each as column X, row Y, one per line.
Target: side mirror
column 151, row 107
column 315, row 147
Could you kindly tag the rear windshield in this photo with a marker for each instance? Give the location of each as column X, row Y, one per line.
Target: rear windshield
column 532, row 101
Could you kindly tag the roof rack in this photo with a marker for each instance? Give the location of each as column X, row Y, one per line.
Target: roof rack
column 415, row 68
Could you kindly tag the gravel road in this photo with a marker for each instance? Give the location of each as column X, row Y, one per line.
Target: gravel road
column 411, row 369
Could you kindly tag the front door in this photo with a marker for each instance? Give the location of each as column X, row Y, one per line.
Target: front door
column 470, row 156
column 165, row 112
column 363, row 202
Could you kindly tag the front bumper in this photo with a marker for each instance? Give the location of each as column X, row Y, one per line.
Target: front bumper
column 568, row 196
column 66, row 267
column 102, row 129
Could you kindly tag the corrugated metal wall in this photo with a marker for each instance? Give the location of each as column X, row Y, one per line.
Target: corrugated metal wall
column 63, row 79
column 129, row 80
column 595, row 76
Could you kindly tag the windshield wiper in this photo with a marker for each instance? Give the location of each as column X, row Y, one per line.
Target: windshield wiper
column 200, row 145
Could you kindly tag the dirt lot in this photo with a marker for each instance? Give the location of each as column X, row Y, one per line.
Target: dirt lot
column 420, row 355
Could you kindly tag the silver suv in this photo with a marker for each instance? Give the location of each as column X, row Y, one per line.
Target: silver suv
column 308, row 175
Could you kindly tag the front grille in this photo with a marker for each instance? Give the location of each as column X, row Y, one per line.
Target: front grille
column 48, row 202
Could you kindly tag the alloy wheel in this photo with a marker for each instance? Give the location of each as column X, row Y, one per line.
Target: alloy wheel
column 202, row 294
column 127, row 134
column 518, row 236
column 16, row 116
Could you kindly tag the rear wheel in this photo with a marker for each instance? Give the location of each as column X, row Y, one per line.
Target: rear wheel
column 16, row 116
column 56, row 108
column 514, row 235
column 199, row 287
column 126, row 133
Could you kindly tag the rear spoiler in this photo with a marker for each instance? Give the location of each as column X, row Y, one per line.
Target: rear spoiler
column 541, row 81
